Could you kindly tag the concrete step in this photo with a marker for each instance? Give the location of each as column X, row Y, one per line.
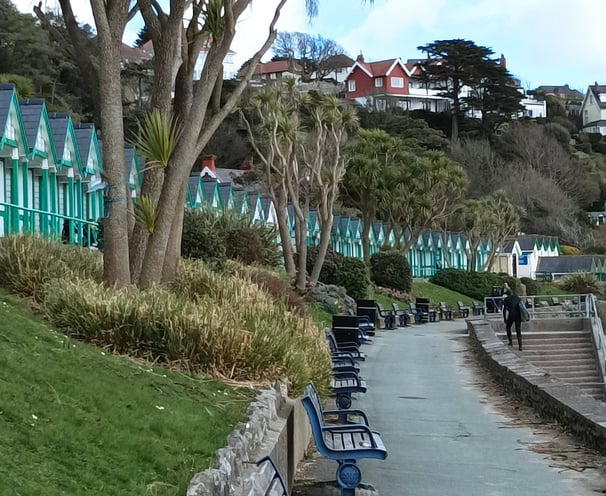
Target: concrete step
column 596, row 391
column 567, row 374
column 589, row 380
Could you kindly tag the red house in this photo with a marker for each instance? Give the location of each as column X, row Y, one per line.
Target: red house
column 391, row 83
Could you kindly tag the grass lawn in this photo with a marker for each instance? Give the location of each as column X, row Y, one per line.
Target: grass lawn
column 75, row 420
column 435, row 293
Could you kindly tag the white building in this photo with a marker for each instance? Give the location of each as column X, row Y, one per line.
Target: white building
column 593, row 109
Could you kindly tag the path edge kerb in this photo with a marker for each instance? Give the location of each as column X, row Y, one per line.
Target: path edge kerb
column 275, row 426
column 580, row 414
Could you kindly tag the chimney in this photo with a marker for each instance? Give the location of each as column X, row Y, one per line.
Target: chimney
column 503, row 62
column 247, row 165
column 360, row 58
column 209, row 161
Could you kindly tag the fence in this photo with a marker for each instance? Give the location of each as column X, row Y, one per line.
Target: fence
column 15, row 219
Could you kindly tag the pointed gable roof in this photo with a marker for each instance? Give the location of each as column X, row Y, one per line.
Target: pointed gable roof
column 86, row 139
column 59, row 124
column 6, row 99
column 9, row 105
column 32, row 111
column 380, row 67
column 598, row 90
column 193, row 184
column 36, row 122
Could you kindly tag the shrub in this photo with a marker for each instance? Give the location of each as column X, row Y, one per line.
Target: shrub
column 353, row 276
column 581, row 282
column 569, row 250
column 216, row 235
column 532, row 286
column 212, row 323
column 202, row 237
column 279, row 290
column 29, row 263
column 390, row 269
column 476, row 285
column 351, row 273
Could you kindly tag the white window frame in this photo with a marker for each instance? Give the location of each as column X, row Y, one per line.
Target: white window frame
column 378, row 82
column 351, row 85
column 397, row 82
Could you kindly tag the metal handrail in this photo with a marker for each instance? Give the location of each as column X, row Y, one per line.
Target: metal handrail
column 577, row 306
column 19, row 219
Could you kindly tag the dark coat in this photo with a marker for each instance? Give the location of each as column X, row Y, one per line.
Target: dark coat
column 511, row 308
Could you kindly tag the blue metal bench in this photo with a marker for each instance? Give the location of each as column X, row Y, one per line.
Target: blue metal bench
column 349, row 348
column 343, row 384
column 389, row 319
column 269, row 481
column 402, row 315
column 345, row 442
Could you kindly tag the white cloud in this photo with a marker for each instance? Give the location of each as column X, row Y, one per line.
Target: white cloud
column 253, row 27
column 81, row 8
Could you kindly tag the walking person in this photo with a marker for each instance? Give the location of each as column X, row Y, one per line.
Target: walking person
column 512, row 315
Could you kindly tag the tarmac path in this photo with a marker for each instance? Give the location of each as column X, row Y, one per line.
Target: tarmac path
column 445, row 431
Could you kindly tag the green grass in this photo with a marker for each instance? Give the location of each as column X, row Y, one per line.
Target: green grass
column 435, row 293
column 321, row 317
column 75, row 420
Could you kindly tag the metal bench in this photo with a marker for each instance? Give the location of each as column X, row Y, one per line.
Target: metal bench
column 402, row 315
column 463, row 309
column 389, row 319
column 445, row 312
column 343, row 384
column 350, row 349
column 268, row 481
column 345, row 442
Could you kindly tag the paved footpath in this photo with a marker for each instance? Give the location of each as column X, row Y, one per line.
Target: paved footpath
column 441, row 436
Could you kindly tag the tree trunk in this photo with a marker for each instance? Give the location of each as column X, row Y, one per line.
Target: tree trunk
column 367, row 218
column 110, row 26
column 325, row 230
column 173, row 251
column 301, row 280
column 287, row 251
column 153, row 179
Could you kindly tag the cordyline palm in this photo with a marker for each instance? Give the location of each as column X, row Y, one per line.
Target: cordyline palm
column 155, row 140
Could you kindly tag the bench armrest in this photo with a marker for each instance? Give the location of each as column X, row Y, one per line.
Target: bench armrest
column 347, row 413
column 353, row 428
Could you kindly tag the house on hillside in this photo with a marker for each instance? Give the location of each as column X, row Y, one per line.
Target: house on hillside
column 145, row 52
column 391, row 84
column 335, row 68
column 519, row 255
column 553, row 268
column 593, row 109
column 564, row 92
column 268, row 72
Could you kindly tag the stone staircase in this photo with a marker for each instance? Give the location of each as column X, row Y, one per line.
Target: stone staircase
column 563, row 348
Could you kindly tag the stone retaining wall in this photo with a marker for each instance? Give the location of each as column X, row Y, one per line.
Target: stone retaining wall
column 276, row 425
column 582, row 415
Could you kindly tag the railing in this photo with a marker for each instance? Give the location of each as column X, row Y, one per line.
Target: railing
column 15, row 219
column 543, row 307
column 577, row 306
column 598, row 333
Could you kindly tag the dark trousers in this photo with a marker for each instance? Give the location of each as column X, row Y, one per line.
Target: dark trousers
column 518, row 322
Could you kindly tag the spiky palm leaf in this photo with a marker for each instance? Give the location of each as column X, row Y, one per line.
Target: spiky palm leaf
column 146, row 213
column 156, row 138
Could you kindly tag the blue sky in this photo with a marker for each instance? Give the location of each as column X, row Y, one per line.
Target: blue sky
column 545, row 42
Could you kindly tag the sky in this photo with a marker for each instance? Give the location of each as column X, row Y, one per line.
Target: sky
column 545, row 42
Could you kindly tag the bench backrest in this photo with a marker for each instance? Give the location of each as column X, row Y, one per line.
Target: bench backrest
column 367, row 308
column 313, row 407
column 268, row 481
column 443, row 306
column 345, row 328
